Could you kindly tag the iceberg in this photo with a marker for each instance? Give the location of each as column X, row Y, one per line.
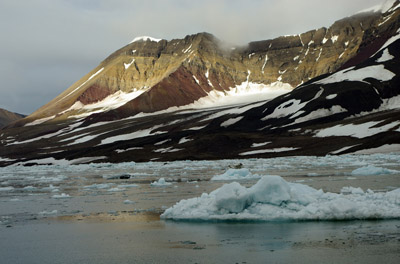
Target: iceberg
column 372, row 170
column 274, row 199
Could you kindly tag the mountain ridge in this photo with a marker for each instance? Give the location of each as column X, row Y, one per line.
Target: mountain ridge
column 351, row 108
column 7, row 117
column 141, row 65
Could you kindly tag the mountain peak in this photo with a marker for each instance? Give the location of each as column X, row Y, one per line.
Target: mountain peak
column 145, row 38
column 387, row 6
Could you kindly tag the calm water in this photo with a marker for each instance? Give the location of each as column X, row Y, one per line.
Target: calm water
column 110, row 214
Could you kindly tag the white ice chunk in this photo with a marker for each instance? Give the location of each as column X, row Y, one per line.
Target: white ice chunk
column 372, row 170
column 160, row 183
column 274, row 199
column 6, row 189
column 61, row 196
column 235, row 174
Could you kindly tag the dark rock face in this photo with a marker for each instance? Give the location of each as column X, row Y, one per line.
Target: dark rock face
column 350, row 104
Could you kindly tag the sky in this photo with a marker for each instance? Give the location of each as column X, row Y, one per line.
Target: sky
column 47, row 45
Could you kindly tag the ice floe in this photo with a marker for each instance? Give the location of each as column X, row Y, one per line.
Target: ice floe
column 274, row 199
column 372, row 170
column 160, row 183
column 235, row 174
column 61, row 196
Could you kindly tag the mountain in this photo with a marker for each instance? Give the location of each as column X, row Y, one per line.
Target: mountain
column 7, row 117
column 199, row 98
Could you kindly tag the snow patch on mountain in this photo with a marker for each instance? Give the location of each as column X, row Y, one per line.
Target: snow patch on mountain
column 385, row 56
column 336, row 109
column 130, row 136
column 111, row 102
column 388, row 148
column 261, row 151
column 40, row 121
column 85, row 82
column 231, row 121
column 382, row 8
column 286, row 108
column 356, row 130
column 127, row 65
column 376, row 71
column 145, row 38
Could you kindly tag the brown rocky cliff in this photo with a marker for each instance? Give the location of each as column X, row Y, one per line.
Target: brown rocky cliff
column 166, row 70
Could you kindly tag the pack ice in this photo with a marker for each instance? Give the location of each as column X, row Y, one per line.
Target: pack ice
column 274, row 199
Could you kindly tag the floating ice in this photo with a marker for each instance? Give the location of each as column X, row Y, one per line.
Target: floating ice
column 274, row 199
column 96, row 186
column 161, row 182
column 116, row 189
column 6, row 189
column 44, row 213
column 127, row 186
column 372, row 170
column 61, row 196
column 235, row 174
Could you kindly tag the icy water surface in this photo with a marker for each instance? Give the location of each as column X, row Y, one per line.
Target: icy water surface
column 109, row 213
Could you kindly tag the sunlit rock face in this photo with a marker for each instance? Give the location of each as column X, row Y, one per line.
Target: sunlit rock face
column 150, row 74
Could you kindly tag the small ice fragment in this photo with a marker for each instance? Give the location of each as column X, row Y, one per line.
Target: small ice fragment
column 161, row 182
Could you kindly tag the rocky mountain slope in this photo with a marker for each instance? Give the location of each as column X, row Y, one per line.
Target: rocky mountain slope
column 198, row 99
column 7, row 117
column 147, row 74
